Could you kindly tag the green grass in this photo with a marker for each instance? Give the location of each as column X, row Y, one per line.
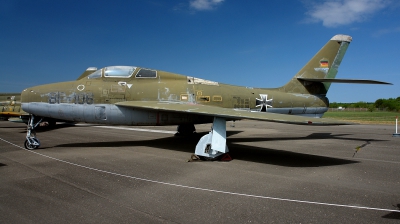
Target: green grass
column 364, row 116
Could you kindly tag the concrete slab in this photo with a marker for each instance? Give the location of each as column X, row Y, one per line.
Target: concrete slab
column 279, row 173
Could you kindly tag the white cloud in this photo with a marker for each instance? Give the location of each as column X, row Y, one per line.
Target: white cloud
column 334, row 13
column 204, row 4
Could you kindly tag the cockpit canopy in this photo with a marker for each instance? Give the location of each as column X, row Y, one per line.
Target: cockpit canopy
column 113, row 72
column 123, row 72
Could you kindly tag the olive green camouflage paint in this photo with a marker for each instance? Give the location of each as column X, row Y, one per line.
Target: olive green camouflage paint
column 332, row 53
column 172, row 87
column 147, row 93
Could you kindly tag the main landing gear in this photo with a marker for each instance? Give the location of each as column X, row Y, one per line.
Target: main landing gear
column 213, row 145
column 185, row 130
column 31, row 141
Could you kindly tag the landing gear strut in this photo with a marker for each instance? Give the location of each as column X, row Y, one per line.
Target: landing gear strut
column 31, row 141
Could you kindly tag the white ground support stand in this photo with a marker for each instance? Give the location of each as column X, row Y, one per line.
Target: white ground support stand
column 213, row 144
column 396, row 134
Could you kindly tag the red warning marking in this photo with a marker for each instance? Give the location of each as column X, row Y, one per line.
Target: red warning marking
column 226, row 157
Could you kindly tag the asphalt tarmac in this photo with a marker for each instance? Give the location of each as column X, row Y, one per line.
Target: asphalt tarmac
column 279, row 174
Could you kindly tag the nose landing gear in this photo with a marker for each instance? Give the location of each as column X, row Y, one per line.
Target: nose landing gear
column 31, row 141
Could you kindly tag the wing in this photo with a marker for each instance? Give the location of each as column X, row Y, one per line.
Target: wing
column 228, row 113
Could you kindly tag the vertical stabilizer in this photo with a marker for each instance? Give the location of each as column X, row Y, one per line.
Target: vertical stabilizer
column 324, row 64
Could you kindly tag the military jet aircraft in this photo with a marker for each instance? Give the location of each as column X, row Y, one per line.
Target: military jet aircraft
column 129, row 95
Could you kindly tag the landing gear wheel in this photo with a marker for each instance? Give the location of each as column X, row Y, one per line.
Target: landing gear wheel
column 185, row 130
column 30, row 146
column 52, row 123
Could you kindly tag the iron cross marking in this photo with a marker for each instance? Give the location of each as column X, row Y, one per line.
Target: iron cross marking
column 264, row 102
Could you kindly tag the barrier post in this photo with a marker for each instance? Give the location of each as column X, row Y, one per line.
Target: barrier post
column 396, row 134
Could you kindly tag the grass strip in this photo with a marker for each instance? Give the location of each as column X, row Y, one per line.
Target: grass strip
column 366, row 117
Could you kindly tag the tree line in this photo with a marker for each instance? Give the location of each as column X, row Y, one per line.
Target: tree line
column 390, row 104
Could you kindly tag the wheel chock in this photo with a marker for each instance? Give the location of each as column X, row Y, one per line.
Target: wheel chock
column 194, row 158
column 225, row 157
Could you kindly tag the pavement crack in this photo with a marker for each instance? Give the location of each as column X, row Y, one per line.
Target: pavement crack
column 361, row 146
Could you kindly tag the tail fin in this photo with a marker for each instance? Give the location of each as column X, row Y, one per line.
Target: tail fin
column 324, row 65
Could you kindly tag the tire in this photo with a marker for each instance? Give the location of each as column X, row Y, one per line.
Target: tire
column 29, row 146
column 52, row 123
column 186, row 129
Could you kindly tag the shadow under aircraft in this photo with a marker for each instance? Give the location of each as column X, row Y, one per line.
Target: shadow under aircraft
column 266, row 155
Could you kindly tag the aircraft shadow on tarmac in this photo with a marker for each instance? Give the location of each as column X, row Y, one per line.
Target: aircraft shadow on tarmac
column 238, row 151
column 42, row 129
column 14, row 127
column 393, row 215
column 313, row 136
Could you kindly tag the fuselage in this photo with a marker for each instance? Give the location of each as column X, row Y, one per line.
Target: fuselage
column 92, row 99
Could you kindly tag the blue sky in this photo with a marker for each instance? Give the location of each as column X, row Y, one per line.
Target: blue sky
column 250, row 43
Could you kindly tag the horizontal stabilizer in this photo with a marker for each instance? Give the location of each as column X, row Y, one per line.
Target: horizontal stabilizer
column 227, row 113
column 356, row 81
